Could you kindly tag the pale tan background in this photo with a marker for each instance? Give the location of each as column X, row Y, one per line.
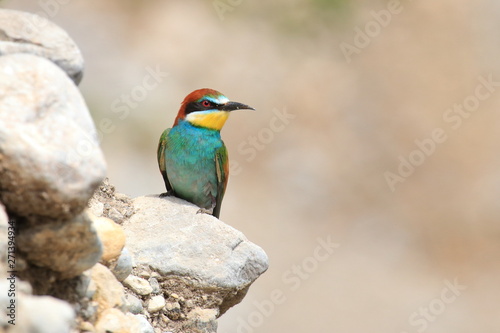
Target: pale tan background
column 322, row 175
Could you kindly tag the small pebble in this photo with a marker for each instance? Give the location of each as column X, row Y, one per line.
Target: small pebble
column 83, row 286
column 115, row 215
column 165, row 318
column 123, row 266
column 144, row 325
column 86, row 327
column 156, row 303
column 173, row 306
column 121, row 197
column 112, row 320
column 144, row 274
column 155, row 285
column 91, row 289
column 138, row 285
column 174, row 296
column 111, row 235
column 189, row 304
column 96, row 207
column 134, row 304
column 90, row 312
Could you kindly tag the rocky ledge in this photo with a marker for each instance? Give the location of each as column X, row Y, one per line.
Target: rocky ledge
column 75, row 255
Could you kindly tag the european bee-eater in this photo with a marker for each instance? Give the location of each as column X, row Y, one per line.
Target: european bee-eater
column 192, row 156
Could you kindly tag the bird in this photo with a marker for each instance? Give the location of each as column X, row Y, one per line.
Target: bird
column 192, row 157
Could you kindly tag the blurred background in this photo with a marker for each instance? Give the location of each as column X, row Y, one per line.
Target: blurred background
column 377, row 129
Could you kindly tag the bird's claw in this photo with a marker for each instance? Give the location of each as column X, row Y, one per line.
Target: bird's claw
column 205, row 211
column 166, row 194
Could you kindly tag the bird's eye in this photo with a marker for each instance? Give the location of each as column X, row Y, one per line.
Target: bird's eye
column 206, row 103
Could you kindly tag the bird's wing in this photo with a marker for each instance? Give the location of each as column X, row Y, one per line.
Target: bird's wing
column 161, row 158
column 222, row 169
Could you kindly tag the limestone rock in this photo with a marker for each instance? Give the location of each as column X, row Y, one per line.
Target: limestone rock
column 123, row 266
column 47, row 315
column 41, row 314
column 51, row 162
column 68, row 247
column 167, row 235
column 153, row 282
column 156, row 303
column 22, row 32
column 113, row 321
column 173, row 311
column 86, row 327
column 203, row 320
column 195, row 256
column 134, row 304
column 109, row 292
column 140, row 324
column 85, row 286
column 106, row 202
column 138, row 285
column 111, row 236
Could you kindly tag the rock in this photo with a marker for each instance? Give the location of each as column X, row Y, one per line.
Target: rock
column 40, row 314
column 91, row 289
column 189, row 304
column 144, row 274
column 51, row 162
column 22, row 32
column 113, row 321
column 46, row 315
column 153, row 282
column 109, row 292
column 123, row 266
column 169, row 237
column 156, row 303
column 86, row 327
column 173, row 306
column 138, row 285
column 4, row 235
column 96, row 207
column 203, row 320
column 89, row 311
column 114, row 214
column 85, row 286
column 134, row 304
column 68, row 248
column 173, row 310
column 111, row 235
column 143, row 326
column 105, row 202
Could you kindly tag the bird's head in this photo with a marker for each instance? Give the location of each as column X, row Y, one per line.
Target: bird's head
column 207, row 108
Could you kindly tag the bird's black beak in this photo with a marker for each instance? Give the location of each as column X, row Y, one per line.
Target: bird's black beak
column 233, row 106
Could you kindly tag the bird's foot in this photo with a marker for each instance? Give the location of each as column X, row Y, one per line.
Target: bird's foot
column 166, row 194
column 205, row 211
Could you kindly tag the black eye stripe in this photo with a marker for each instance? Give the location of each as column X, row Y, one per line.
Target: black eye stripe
column 198, row 106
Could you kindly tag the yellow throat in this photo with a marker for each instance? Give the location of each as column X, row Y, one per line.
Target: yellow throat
column 212, row 120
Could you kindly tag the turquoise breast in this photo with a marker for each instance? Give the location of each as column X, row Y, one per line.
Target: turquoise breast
column 190, row 163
